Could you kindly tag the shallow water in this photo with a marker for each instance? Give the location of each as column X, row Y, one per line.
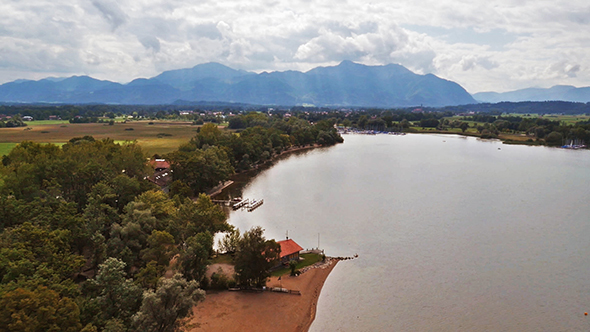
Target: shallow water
column 452, row 233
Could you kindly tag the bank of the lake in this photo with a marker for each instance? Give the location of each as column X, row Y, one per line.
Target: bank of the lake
column 265, row 311
column 452, row 233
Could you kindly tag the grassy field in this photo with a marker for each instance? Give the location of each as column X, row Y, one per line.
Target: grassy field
column 6, row 147
column 46, row 122
column 160, row 137
column 308, row 259
column 567, row 119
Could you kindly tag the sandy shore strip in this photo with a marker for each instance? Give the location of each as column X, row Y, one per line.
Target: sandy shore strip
column 265, row 311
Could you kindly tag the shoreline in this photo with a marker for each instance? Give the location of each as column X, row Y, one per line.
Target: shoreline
column 314, row 306
column 266, row 311
column 253, row 172
column 278, row 157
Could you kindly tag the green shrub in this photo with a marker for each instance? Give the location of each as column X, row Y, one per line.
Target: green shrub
column 205, row 284
column 219, row 280
column 293, row 267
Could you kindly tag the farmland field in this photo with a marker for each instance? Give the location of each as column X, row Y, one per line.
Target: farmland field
column 160, row 137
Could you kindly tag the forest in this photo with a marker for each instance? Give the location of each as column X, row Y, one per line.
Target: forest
column 87, row 243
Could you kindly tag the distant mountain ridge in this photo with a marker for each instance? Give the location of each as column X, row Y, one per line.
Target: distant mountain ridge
column 347, row 84
column 558, row 92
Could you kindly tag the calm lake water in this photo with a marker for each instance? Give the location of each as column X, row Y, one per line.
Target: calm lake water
column 452, row 233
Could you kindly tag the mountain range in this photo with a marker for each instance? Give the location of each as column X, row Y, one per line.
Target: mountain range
column 347, row 84
column 558, row 92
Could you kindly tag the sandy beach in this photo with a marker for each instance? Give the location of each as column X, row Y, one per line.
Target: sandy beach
column 265, row 311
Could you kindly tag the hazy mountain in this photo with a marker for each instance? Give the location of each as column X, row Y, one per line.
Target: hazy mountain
column 185, row 79
column 347, row 84
column 558, row 92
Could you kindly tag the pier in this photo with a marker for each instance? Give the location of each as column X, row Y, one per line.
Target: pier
column 241, row 203
column 254, row 204
column 221, row 202
column 246, row 203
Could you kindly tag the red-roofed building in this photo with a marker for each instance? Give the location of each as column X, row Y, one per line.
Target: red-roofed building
column 162, row 173
column 289, row 250
column 160, row 164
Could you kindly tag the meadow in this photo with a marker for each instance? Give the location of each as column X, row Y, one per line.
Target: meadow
column 159, row 137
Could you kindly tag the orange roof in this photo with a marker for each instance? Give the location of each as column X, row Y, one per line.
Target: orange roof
column 289, row 247
column 159, row 163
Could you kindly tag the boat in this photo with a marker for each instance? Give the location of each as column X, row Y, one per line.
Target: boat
column 254, row 204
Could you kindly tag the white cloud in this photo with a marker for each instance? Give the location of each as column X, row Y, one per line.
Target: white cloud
column 483, row 45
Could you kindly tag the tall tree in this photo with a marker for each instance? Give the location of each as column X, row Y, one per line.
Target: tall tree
column 162, row 310
column 254, row 258
column 116, row 298
column 39, row 310
column 201, row 169
column 194, row 259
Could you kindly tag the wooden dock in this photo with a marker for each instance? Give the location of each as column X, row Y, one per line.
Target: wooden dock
column 221, row 202
column 241, row 203
column 255, row 204
column 249, row 205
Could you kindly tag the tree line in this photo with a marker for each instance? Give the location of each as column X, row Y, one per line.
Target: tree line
column 213, row 155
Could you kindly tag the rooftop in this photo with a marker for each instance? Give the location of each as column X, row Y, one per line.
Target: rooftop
column 159, row 163
column 289, row 247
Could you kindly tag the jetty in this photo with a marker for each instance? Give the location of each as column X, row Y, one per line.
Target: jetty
column 254, row 204
column 240, row 204
column 248, row 204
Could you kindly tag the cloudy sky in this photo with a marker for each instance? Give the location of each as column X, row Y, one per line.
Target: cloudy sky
column 484, row 45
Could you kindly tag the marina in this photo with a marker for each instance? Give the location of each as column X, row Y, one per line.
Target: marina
column 239, row 203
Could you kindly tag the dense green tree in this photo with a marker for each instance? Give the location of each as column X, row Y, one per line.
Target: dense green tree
column 254, row 258
column 162, row 310
column 158, row 203
column 362, row 122
column 429, row 123
column 126, row 189
column 74, row 168
column 38, row 310
column 35, row 251
column 554, row 138
column 230, row 241
column 130, row 237
column 201, row 169
column 149, row 275
column 180, row 188
column 115, row 297
column 160, row 248
column 464, row 126
column 194, row 259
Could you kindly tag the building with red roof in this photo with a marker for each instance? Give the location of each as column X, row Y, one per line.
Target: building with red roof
column 289, row 250
column 160, row 164
column 162, row 173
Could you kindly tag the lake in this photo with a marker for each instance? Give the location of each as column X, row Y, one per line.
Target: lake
column 452, row 233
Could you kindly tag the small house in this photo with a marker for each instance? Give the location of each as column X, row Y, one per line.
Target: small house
column 160, row 165
column 289, row 251
column 162, row 173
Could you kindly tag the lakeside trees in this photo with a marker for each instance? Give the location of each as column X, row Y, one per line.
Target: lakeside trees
column 213, row 155
column 254, row 258
column 83, row 236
